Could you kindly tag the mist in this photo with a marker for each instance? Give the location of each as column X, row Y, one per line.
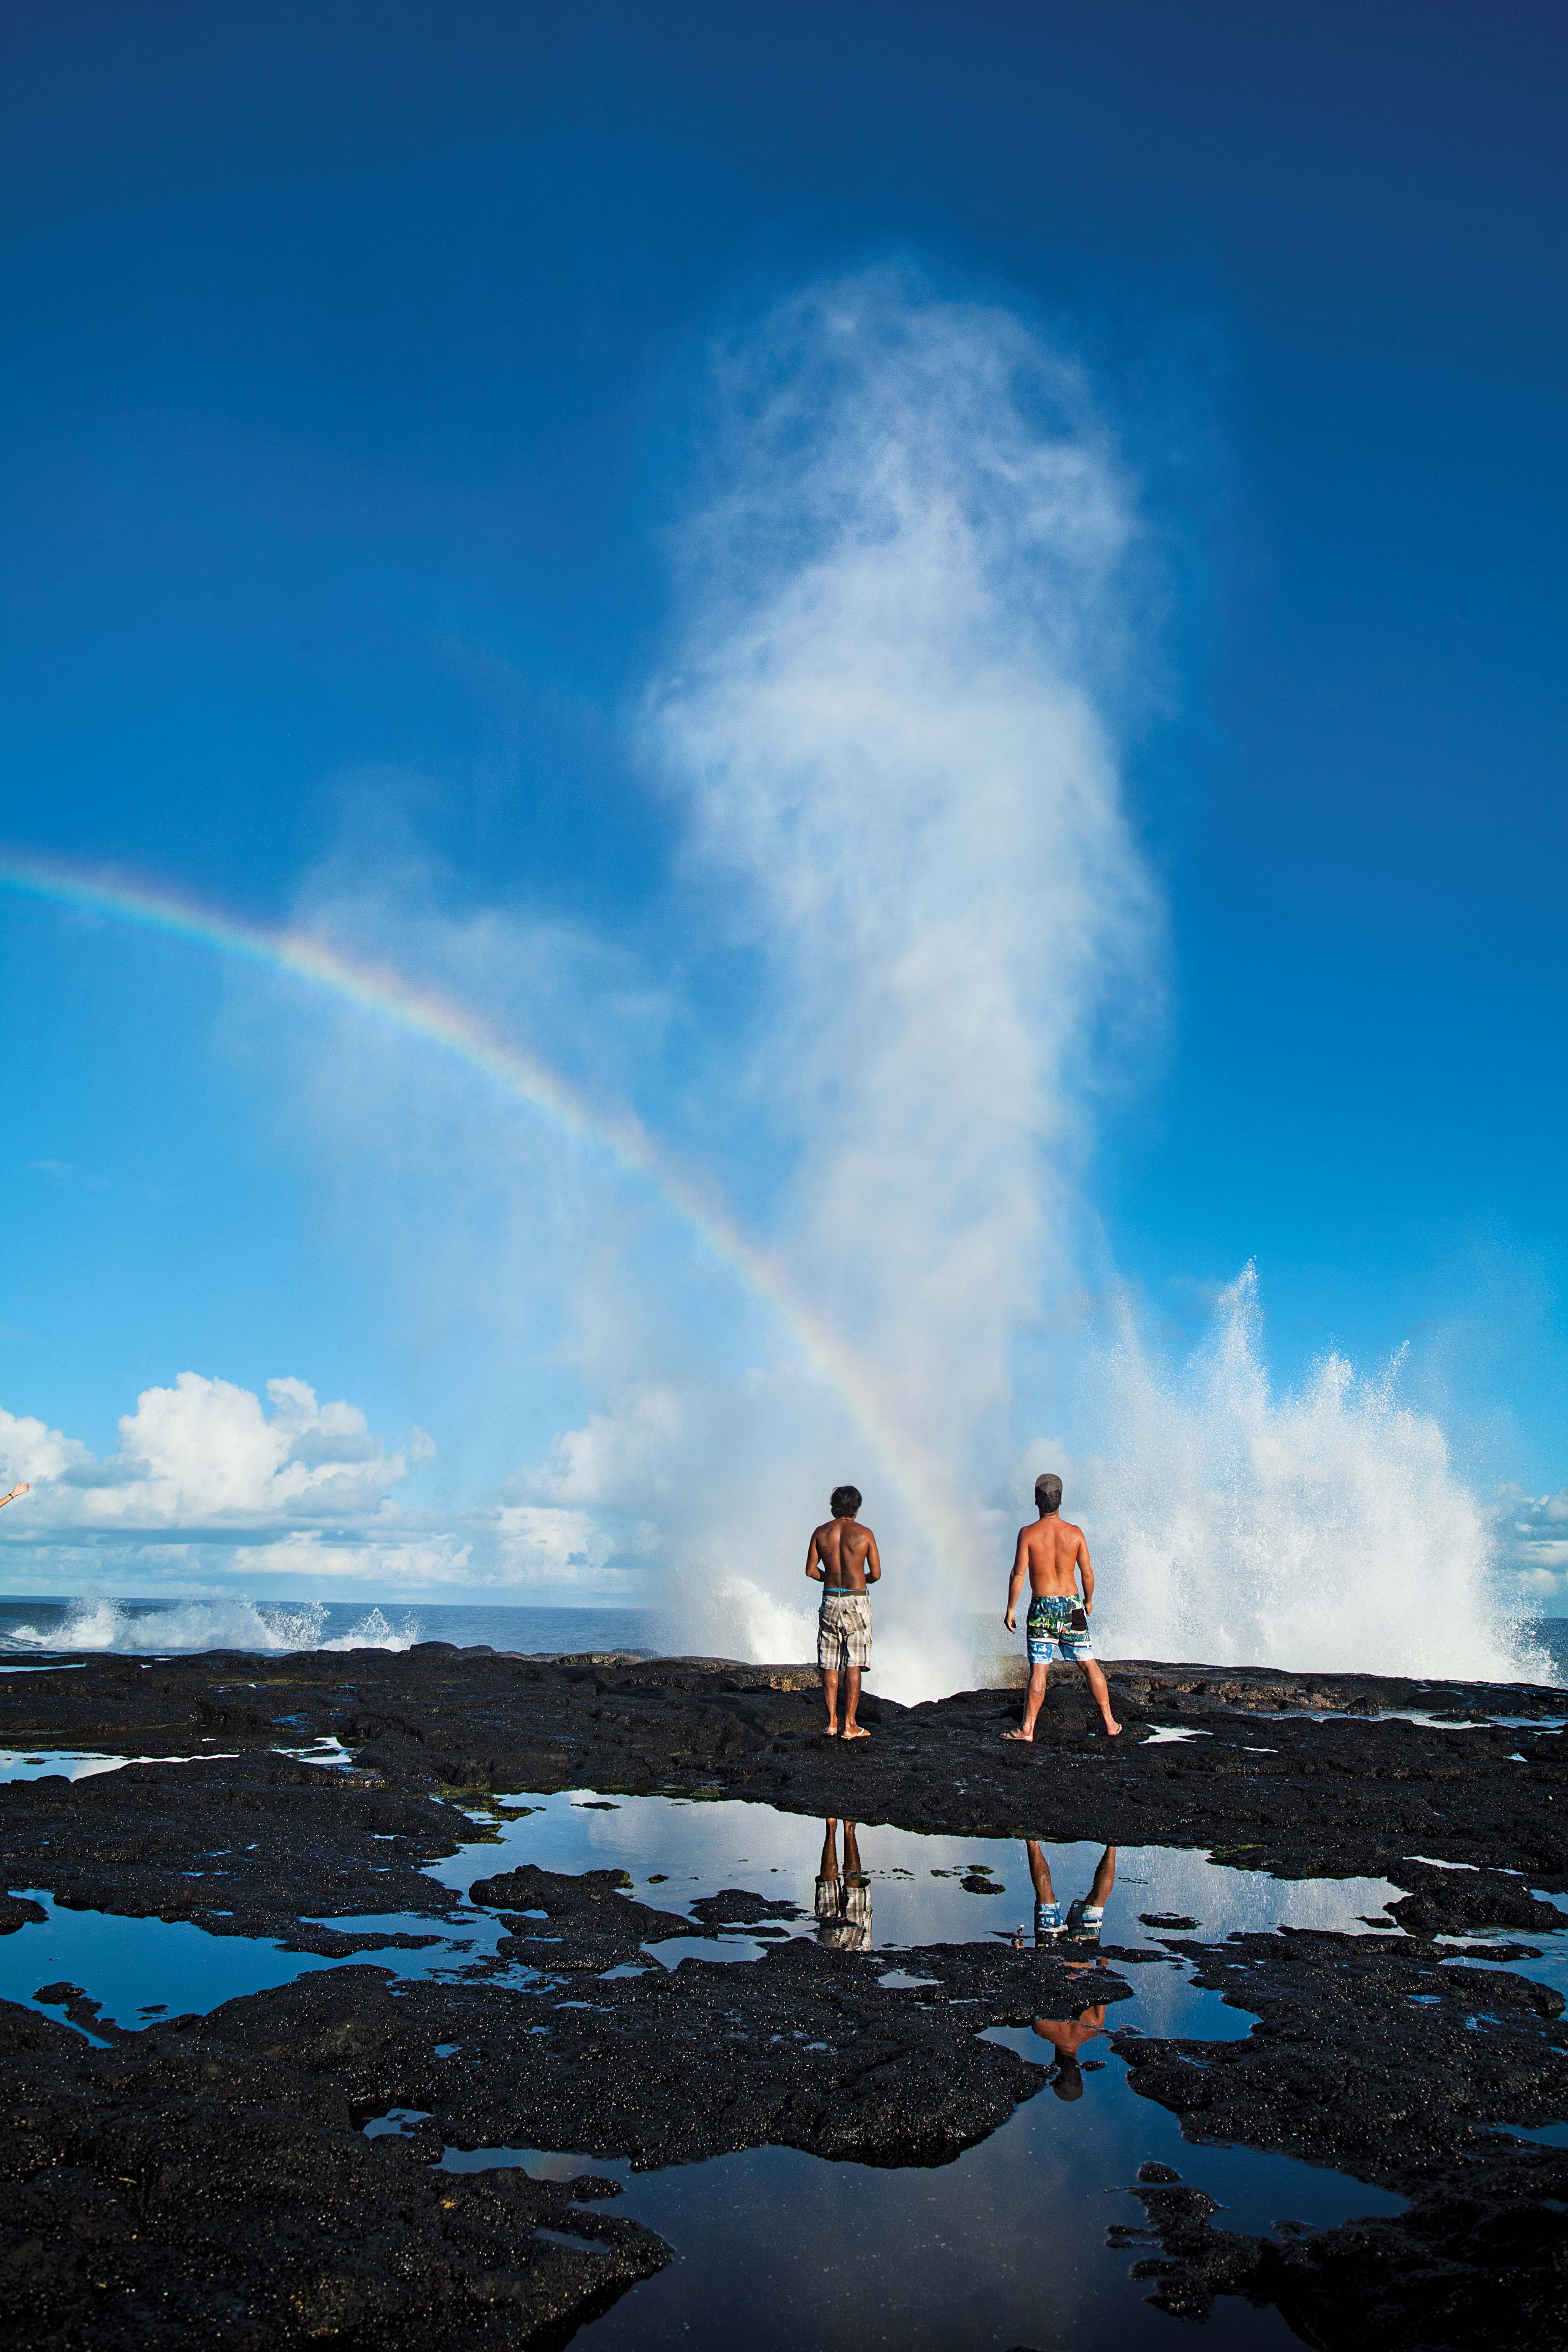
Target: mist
column 888, row 734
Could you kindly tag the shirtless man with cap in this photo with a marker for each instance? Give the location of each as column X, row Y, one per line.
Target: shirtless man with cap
column 1051, row 1552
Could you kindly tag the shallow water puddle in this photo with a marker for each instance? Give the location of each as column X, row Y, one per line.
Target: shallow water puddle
column 919, row 1888
column 868, row 1888
column 785, row 2248
column 777, row 2248
column 897, row 1888
column 85, row 1764
column 327, row 1750
column 140, row 1970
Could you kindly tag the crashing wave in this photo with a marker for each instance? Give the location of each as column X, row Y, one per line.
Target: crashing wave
column 97, row 1621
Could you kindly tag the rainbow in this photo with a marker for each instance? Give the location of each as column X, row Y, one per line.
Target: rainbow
column 382, row 993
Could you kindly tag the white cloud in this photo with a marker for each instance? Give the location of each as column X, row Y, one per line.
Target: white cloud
column 205, row 1455
column 207, row 1489
column 621, row 1459
column 1531, row 1532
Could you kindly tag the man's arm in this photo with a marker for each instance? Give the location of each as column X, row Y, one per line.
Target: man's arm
column 1086, row 1575
column 814, row 1566
column 873, row 1559
column 1015, row 1581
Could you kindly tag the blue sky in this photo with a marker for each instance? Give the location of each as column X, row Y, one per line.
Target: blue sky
column 360, row 396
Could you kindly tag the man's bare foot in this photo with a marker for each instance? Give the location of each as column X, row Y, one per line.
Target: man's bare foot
column 831, row 1732
column 1027, row 1737
column 853, row 1731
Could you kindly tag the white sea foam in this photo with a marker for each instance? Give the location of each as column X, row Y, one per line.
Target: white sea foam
column 97, row 1622
column 1326, row 1529
column 375, row 1631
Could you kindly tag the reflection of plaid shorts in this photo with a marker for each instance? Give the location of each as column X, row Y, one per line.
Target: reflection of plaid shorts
column 844, row 1631
column 842, row 1915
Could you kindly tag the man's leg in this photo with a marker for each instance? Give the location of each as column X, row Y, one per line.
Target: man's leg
column 1101, row 1695
column 829, row 1891
column 1034, row 1699
column 1104, row 1879
column 852, row 1685
column 830, row 1692
column 851, row 1852
column 1047, row 1914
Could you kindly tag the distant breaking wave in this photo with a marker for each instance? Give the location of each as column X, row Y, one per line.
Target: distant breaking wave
column 99, row 1622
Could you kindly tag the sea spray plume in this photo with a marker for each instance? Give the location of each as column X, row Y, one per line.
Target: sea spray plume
column 906, row 614
column 1321, row 1530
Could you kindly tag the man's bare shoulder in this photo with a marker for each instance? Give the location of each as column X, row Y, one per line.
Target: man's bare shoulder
column 1068, row 1529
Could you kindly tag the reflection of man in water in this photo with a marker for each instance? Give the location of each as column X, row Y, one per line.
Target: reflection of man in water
column 1078, row 1932
column 843, row 1903
column 1066, row 2037
column 1080, row 1929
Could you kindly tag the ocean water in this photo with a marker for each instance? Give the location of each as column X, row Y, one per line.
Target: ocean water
column 42, row 1627
column 57, row 1626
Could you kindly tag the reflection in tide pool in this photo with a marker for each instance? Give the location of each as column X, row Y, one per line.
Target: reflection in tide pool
column 85, row 1764
column 140, row 1970
column 920, row 1888
column 1005, row 2247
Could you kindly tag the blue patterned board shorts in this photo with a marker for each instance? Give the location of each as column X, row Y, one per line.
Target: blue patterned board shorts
column 1050, row 1622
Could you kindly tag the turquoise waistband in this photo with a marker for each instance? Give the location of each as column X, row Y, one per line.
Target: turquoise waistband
column 844, row 1592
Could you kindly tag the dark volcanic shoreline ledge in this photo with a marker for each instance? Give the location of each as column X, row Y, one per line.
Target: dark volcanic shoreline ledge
column 1351, row 1795
column 207, row 2179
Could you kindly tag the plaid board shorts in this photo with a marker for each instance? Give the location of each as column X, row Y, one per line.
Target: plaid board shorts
column 1049, row 1622
column 842, row 1915
column 844, row 1631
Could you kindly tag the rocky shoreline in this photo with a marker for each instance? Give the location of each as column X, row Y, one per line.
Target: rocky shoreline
column 208, row 2179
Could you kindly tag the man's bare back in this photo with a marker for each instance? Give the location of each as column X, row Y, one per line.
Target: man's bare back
column 1052, row 1550
column 843, row 1554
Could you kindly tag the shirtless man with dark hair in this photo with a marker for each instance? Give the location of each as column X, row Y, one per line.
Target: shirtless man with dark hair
column 842, row 1558
column 1050, row 1552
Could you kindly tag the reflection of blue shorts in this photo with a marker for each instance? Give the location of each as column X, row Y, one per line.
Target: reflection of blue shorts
column 1050, row 1622
column 1084, row 1921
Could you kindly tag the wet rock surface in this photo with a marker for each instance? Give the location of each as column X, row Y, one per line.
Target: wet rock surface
column 1477, row 2259
column 1371, row 2053
column 1265, row 1784
column 184, row 2190
column 257, row 1846
column 1391, row 2062
column 606, row 1926
column 208, row 2181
